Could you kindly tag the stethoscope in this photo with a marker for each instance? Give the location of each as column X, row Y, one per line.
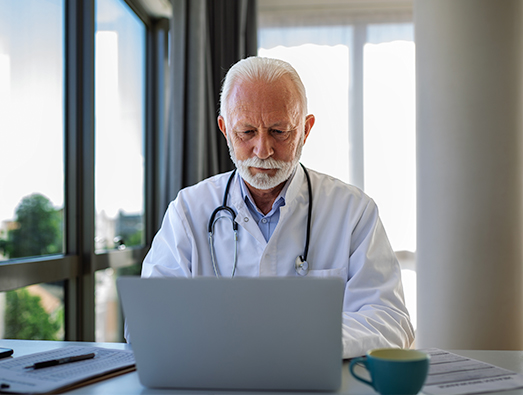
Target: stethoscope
column 300, row 265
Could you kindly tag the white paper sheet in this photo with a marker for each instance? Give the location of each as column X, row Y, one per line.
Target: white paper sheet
column 15, row 378
column 452, row 374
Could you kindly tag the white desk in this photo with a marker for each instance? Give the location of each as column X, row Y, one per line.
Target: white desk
column 129, row 383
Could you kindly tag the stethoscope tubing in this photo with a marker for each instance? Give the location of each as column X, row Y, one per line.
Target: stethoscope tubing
column 210, row 228
column 309, row 216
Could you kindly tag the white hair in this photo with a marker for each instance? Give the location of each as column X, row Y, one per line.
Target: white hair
column 267, row 70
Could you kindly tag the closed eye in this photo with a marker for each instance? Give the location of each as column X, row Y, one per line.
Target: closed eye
column 245, row 134
column 280, row 134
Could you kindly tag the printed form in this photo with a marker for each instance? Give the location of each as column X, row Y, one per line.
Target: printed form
column 16, row 378
column 452, row 374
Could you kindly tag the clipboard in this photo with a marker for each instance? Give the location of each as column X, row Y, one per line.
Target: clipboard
column 107, row 363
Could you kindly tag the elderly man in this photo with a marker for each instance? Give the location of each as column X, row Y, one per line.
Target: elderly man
column 264, row 119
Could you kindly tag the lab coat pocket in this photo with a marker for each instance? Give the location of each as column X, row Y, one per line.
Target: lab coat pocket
column 340, row 272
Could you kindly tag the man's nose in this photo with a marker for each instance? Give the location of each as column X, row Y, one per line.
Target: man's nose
column 263, row 147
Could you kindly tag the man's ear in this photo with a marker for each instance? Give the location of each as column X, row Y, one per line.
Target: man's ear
column 309, row 123
column 221, row 125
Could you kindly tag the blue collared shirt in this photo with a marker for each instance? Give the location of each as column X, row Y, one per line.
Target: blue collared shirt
column 266, row 223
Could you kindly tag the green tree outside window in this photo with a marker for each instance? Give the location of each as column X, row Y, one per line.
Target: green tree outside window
column 37, row 231
column 25, row 318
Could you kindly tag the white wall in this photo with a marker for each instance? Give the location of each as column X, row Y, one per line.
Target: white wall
column 469, row 142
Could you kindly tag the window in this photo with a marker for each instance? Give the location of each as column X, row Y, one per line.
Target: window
column 360, row 83
column 389, row 133
column 388, row 118
column 72, row 198
column 119, row 149
column 120, row 125
column 31, row 128
column 32, row 159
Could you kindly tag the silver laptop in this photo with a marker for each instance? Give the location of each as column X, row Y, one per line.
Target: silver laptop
column 241, row 333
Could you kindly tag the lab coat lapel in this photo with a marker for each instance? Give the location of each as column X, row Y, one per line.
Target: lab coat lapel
column 243, row 216
column 291, row 198
column 282, row 244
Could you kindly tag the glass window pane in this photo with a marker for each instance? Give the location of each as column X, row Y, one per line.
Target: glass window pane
column 323, row 65
column 109, row 318
column 119, row 125
column 390, row 137
column 31, row 128
column 35, row 312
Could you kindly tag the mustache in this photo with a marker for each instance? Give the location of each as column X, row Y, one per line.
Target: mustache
column 269, row 163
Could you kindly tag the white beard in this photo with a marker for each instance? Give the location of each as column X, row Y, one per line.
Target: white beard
column 262, row 180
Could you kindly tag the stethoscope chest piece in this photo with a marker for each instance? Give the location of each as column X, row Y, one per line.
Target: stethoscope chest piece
column 301, row 266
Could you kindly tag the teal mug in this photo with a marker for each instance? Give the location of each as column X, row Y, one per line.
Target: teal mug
column 394, row 371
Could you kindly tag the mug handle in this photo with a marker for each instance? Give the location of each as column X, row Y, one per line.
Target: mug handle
column 353, row 363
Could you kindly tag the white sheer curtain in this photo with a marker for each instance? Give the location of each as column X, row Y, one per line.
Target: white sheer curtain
column 358, row 69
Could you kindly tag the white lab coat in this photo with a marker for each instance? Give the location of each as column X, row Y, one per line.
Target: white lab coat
column 347, row 241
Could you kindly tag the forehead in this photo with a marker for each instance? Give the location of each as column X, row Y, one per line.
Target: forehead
column 266, row 100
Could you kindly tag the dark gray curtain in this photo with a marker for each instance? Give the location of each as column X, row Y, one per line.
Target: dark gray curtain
column 207, row 37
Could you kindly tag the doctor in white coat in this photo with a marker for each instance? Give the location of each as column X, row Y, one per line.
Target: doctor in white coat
column 264, row 118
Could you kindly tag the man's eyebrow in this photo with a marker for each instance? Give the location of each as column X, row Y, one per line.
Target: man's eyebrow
column 244, row 125
column 283, row 123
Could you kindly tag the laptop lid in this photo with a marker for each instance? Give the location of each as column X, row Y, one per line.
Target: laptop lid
column 241, row 333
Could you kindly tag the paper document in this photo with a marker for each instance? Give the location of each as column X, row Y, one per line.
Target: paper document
column 452, row 374
column 16, row 378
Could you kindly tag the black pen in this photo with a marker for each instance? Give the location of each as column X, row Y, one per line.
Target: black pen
column 61, row 361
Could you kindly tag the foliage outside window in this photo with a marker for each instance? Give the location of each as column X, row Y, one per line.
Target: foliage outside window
column 25, row 317
column 36, row 230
